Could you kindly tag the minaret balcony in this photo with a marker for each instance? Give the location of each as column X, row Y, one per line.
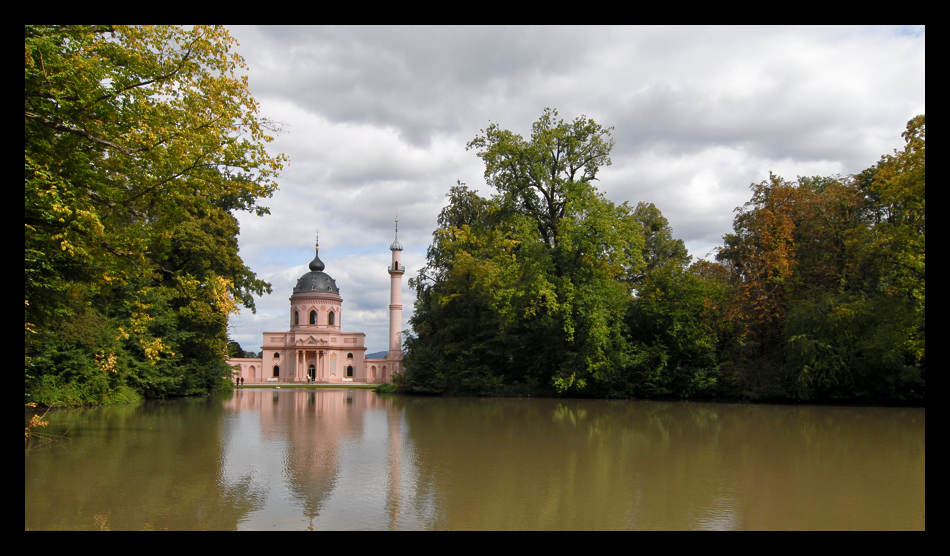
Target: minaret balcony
column 397, row 268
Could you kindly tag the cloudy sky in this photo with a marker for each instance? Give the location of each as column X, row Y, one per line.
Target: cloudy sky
column 375, row 122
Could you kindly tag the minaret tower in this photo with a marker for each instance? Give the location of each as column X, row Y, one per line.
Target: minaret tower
column 395, row 301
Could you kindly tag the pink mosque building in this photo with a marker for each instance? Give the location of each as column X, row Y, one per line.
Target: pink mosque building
column 316, row 349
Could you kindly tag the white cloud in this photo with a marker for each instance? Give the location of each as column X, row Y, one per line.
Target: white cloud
column 376, row 122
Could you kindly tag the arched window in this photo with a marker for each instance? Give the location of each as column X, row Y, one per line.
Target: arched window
column 296, row 317
column 276, row 355
column 330, row 318
column 349, row 356
column 313, row 317
column 276, row 370
column 349, row 370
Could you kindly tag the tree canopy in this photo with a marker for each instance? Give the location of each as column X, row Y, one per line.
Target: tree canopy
column 546, row 287
column 522, row 287
column 140, row 143
column 829, row 276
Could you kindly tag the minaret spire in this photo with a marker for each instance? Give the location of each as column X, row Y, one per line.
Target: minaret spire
column 396, row 246
column 396, row 271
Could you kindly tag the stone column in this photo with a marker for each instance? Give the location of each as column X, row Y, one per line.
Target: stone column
column 300, row 360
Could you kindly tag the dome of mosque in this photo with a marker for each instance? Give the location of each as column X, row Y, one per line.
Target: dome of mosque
column 316, row 280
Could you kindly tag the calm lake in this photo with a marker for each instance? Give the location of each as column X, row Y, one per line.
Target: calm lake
column 336, row 459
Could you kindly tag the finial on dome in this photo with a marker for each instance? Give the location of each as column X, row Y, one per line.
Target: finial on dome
column 316, row 265
column 396, row 246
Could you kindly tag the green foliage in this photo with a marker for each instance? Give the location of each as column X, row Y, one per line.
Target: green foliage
column 385, row 388
column 842, row 347
column 548, row 288
column 866, row 338
column 523, row 288
column 140, row 143
column 542, row 178
column 456, row 347
column 674, row 329
column 659, row 246
column 236, row 351
column 830, row 280
column 898, row 240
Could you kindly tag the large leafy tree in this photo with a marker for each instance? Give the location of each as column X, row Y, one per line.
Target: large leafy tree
column 543, row 177
column 536, row 272
column 899, row 236
column 673, row 325
column 458, row 344
column 574, row 244
column 762, row 253
column 829, row 278
column 140, row 142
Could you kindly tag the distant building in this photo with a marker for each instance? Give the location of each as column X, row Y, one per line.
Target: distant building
column 316, row 348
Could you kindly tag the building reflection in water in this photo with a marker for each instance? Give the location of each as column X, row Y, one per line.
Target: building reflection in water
column 317, row 445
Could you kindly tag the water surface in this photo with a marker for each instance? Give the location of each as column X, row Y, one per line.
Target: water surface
column 295, row 459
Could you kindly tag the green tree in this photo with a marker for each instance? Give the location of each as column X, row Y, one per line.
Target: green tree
column 659, row 246
column 459, row 344
column 899, row 239
column 672, row 327
column 829, row 281
column 861, row 335
column 140, row 142
column 535, row 273
column 574, row 245
column 675, row 329
column 542, row 178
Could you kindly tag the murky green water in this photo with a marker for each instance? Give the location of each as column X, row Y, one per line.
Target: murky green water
column 349, row 459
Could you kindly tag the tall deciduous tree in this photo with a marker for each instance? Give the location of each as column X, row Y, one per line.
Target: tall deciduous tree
column 899, row 238
column 541, row 177
column 542, row 264
column 139, row 143
column 582, row 245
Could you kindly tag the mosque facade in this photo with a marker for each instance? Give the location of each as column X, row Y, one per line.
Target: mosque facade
column 315, row 349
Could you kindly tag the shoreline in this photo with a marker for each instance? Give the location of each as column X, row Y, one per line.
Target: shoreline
column 292, row 385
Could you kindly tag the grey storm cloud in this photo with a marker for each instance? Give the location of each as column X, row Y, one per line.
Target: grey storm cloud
column 417, row 80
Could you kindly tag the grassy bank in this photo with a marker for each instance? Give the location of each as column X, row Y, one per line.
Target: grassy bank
column 52, row 391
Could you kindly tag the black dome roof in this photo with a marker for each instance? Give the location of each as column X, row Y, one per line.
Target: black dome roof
column 316, row 280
